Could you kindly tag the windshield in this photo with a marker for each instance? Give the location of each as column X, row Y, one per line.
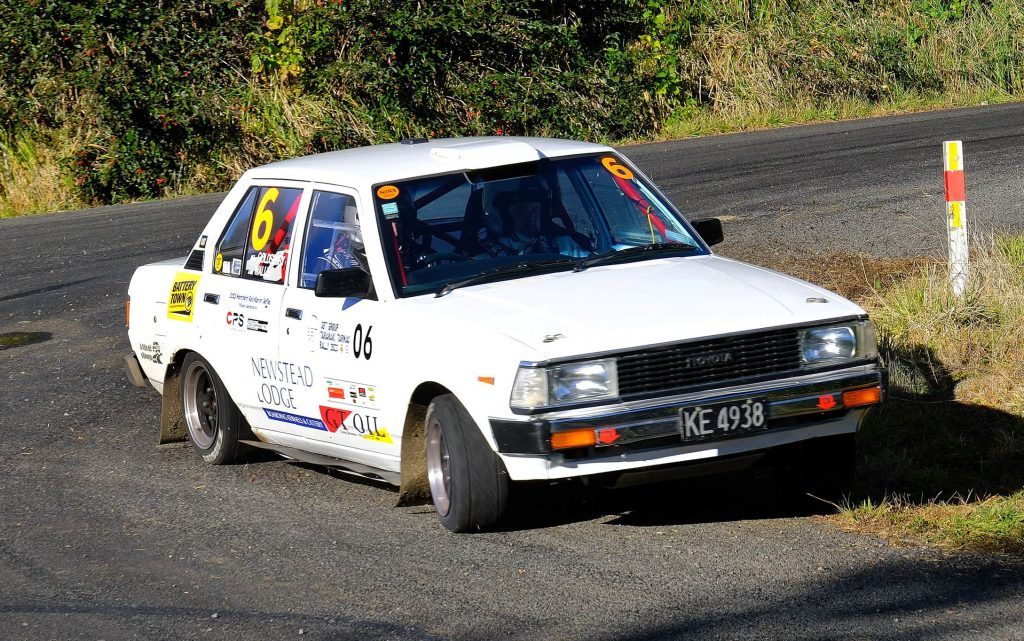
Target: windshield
column 454, row 227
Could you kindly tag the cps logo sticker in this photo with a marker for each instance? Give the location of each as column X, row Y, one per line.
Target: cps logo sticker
column 181, row 299
column 235, row 320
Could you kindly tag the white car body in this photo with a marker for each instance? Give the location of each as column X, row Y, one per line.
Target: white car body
column 294, row 358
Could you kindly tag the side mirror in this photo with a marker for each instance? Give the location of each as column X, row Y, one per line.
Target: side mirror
column 710, row 230
column 344, row 283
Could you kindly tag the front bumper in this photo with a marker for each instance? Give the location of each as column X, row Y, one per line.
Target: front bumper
column 793, row 403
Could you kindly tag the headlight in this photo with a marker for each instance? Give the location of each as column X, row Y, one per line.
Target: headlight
column 836, row 343
column 537, row 387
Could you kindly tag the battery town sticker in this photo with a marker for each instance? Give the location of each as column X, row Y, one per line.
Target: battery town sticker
column 182, row 297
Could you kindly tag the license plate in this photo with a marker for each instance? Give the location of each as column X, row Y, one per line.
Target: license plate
column 704, row 422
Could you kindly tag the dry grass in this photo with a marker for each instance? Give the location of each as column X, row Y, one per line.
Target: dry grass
column 995, row 524
column 943, row 461
column 30, row 175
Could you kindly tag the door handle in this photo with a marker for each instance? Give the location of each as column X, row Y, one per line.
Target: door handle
column 211, row 298
column 291, row 312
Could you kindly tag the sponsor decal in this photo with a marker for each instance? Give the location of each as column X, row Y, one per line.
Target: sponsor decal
column 351, row 393
column 235, row 320
column 236, row 266
column 182, row 297
column 256, row 325
column 151, row 352
column 334, row 418
column 294, row 419
column 202, row 242
column 331, row 340
column 279, row 380
column 266, row 265
column 218, row 262
column 387, row 192
column 354, row 423
column 390, row 210
column 245, row 301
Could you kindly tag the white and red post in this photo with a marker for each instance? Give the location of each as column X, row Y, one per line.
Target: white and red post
column 956, row 214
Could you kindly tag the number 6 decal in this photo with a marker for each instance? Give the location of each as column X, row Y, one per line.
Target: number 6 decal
column 264, row 221
column 613, row 166
column 362, row 344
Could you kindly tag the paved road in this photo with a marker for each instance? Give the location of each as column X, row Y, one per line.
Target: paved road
column 105, row 536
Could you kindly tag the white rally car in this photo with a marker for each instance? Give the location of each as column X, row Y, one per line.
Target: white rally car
column 452, row 316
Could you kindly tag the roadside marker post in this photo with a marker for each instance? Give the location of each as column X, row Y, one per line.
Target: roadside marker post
column 956, row 214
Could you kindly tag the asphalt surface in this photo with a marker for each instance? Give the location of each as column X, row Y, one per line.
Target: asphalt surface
column 103, row 535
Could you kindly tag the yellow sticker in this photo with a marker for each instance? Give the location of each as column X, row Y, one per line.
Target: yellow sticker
column 218, row 262
column 612, row 165
column 381, row 436
column 181, row 299
column 387, row 192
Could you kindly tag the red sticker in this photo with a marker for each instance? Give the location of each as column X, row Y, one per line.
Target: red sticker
column 334, row 418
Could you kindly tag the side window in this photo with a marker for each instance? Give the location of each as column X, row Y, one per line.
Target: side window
column 228, row 259
column 332, row 236
column 270, row 235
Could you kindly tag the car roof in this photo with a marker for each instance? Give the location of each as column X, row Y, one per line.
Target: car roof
column 400, row 161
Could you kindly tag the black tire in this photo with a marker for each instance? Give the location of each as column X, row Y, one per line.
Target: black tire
column 468, row 482
column 213, row 421
column 820, row 469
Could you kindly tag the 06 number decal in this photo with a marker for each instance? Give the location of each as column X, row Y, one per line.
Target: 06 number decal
column 263, row 224
column 362, row 345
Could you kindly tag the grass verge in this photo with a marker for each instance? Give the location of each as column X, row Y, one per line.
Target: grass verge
column 942, row 462
column 694, row 121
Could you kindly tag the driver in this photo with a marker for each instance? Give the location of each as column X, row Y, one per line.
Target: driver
column 518, row 230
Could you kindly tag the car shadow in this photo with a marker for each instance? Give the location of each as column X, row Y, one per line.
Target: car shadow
column 924, row 444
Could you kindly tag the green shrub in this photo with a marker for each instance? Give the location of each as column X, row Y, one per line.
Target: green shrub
column 181, row 95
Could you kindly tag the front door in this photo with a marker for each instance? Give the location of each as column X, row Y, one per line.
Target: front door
column 338, row 336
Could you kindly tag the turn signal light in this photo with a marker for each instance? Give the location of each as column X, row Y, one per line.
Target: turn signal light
column 127, row 312
column 866, row 396
column 573, row 438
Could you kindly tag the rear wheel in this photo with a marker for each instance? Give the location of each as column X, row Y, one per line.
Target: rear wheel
column 213, row 420
column 468, row 482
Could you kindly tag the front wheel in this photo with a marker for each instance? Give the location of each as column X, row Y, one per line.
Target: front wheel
column 213, row 420
column 468, row 482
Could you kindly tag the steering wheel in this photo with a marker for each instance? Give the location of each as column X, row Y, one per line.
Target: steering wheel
column 450, row 257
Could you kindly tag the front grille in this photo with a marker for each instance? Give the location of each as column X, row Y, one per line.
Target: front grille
column 701, row 364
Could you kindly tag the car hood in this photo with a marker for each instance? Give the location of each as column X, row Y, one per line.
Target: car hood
column 638, row 304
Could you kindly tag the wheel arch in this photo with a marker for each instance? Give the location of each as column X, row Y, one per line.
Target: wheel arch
column 414, row 489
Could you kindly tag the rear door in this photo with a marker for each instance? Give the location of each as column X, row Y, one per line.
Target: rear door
column 246, row 288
